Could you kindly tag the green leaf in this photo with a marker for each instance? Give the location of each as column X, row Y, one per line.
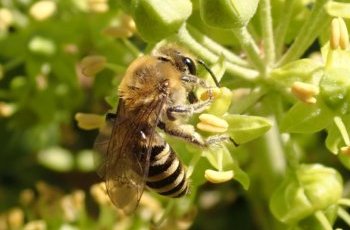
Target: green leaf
column 158, row 19
column 243, row 128
column 306, row 118
column 304, row 70
column 227, row 13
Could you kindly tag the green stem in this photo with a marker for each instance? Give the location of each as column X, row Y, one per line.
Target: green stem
column 185, row 38
column 321, row 217
column 242, row 105
column 267, row 31
column 315, row 24
column 283, row 26
column 13, row 63
column 169, row 207
column 115, row 68
column 196, row 157
column 344, row 201
column 216, row 48
column 134, row 50
column 342, row 129
column 250, row 47
column 344, row 215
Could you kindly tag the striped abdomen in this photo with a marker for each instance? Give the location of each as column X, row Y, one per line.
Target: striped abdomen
column 166, row 174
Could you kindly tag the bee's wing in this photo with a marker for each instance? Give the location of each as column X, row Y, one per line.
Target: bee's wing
column 123, row 166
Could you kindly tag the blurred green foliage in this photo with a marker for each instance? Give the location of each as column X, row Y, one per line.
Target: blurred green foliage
column 278, row 64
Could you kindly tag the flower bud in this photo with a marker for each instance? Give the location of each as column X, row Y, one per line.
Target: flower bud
column 305, row 191
column 218, row 176
column 227, row 13
column 158, row 19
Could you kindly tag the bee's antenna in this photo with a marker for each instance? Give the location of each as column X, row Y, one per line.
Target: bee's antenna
column 206, row 67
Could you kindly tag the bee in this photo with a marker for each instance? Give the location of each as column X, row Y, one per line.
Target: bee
column 156, row 93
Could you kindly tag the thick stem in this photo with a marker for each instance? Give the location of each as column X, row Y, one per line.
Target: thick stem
column 342, row 129
column 185, row 38
column 316, row 23
column 321, row 217
column 216, row 48
column 267, row 31
column 250, row 47
column 283, row 25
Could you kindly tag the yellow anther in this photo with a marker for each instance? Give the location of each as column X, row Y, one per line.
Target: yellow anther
column 91, row 65
column 89, row 121
column 344, row 35
column 335, row 34
column 218, row 177
column 305, row 92
column 339, row 34
column 212, row 123
column 345, row 150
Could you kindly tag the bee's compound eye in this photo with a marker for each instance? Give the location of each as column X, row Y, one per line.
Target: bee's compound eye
column 190, row 65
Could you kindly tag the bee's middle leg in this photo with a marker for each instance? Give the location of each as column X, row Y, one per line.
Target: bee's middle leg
column 187, row 132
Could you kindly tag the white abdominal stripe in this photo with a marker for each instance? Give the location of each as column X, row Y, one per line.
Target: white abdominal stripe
column 166, row 174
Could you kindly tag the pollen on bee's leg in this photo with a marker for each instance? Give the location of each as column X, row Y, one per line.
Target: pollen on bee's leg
column 210, row 93
column 345, row 150
column 212, row 123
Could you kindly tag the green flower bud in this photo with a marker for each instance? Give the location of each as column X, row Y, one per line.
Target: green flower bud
column 244, row 128
column 222, row 103
column 334, row 88
column 305, row 191
column 303, row 70
column 227, row 13
column 157, row 19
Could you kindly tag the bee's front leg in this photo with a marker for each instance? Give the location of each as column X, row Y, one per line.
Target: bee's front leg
column 187, row 110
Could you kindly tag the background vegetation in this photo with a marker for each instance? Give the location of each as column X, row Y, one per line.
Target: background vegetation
column 284, row 71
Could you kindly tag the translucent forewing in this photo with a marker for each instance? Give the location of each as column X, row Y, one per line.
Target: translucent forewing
column 125, row 163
